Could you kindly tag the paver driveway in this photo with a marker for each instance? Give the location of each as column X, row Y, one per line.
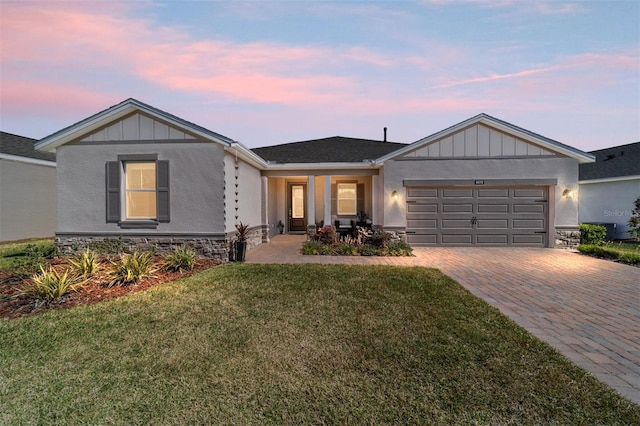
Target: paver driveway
column 586, row 308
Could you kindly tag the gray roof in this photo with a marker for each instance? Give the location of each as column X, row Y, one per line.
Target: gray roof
column 617, row 161
column 336, row 149
column 22, row 146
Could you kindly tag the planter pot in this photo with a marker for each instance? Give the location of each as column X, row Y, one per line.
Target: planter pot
column 240, row 249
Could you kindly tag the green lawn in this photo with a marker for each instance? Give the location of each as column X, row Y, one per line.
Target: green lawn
column 623, row 252
column 16, row 253
column 295, row 344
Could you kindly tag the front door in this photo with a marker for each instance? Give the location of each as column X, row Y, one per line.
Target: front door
column 297, row 207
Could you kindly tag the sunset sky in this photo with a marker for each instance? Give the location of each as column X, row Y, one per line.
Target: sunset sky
column 270, row 72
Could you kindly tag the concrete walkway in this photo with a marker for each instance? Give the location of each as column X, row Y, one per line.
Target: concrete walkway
column 588, row 309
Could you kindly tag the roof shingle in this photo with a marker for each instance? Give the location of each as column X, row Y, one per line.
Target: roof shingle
column 22, row 146
column 617, row 161
column 336, row 149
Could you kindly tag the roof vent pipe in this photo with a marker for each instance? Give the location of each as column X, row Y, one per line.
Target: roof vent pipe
column 385, row 134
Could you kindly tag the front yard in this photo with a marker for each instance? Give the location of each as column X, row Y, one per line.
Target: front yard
column 291, row 344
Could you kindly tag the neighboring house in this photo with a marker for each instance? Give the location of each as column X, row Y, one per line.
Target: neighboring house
column 27, row 189
column 609, row 187
column 136, row 172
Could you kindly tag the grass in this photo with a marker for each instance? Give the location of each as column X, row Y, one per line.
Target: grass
column 624, row 252
column 294, row 344
column 16, row 253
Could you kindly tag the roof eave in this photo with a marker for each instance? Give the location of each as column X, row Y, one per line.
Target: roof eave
column 365, row 165
column 247, row 155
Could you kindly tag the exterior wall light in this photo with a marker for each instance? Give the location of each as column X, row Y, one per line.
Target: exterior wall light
column 568, row 193
column 395, row 195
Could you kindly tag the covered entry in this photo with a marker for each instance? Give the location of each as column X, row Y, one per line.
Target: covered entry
column 473, row 216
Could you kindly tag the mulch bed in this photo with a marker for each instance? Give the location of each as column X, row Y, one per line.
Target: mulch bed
column 14, row 305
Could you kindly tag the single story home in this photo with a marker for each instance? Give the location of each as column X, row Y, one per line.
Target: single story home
column 609, row 187
column 141, row 174
column 27, row 189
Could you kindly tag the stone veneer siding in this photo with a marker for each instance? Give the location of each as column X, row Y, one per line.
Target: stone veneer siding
column 211, row 247
column 567, row 238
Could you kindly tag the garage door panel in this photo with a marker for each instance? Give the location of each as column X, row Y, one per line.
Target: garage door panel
column 537, row 224
column 493, row 193
column 422, row 239
column 457, row 208
column 457, row 239
column 456, row 224
column 529, row 208
column 492, row 239
column 423, row 224
column 422, row 192
column 493, row 224
column 422, row 208
column 493, row 208
column 457, row 193
column 529, row 193
column 528, row 239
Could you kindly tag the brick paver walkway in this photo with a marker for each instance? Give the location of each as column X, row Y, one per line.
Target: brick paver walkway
column 588, row 309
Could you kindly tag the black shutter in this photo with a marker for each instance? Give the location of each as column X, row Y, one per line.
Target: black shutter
column 162, row 190
column 360, row 198
column 113, row 191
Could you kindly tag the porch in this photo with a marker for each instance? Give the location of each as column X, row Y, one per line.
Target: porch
column 302, row 202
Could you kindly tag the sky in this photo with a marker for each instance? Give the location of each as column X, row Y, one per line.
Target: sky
column 271, row 72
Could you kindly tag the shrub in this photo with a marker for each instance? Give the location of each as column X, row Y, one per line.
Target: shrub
column 311, row 247
column 85, row 264
column 107, row 246
column 369, row 250
column 347, row 249
column 592, row 234
column 181, row 258
column 46, row 250
column 129, row 268
column 397, row 248
column 379, row 239
column 327, row 235
column 634, row 220
column 50, row 285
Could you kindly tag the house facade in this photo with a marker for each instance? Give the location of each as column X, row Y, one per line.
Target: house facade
column 609, row 187
column 27, row 189
column 140, row 174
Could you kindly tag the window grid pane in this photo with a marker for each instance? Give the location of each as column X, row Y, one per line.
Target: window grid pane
column 347, row 193
column 140, row 181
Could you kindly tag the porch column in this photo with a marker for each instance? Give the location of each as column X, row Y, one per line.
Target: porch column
column 264, row 214
column 311, row 201
column 375, row 205
column 327, row 200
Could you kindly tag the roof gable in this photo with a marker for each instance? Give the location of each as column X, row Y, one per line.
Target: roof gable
column 22, row 146
column 484, row 136
column 336, row 149
column 614, row 162
column 118, row 114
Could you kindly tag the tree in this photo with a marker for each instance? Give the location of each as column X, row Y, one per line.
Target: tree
column 634, row 220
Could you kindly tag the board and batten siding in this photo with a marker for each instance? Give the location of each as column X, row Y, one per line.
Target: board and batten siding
column 137, row 127
column 479, row 141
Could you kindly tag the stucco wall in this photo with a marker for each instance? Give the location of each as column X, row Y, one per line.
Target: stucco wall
column 27, row 200
column 196, row 186
column 609, row 202
column 565, row 170
column 249, row 193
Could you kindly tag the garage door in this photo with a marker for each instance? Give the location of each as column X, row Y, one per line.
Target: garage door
column 459, row 216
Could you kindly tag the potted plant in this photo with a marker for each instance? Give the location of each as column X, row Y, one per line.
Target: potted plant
column 240, row 245
column 281, row 226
